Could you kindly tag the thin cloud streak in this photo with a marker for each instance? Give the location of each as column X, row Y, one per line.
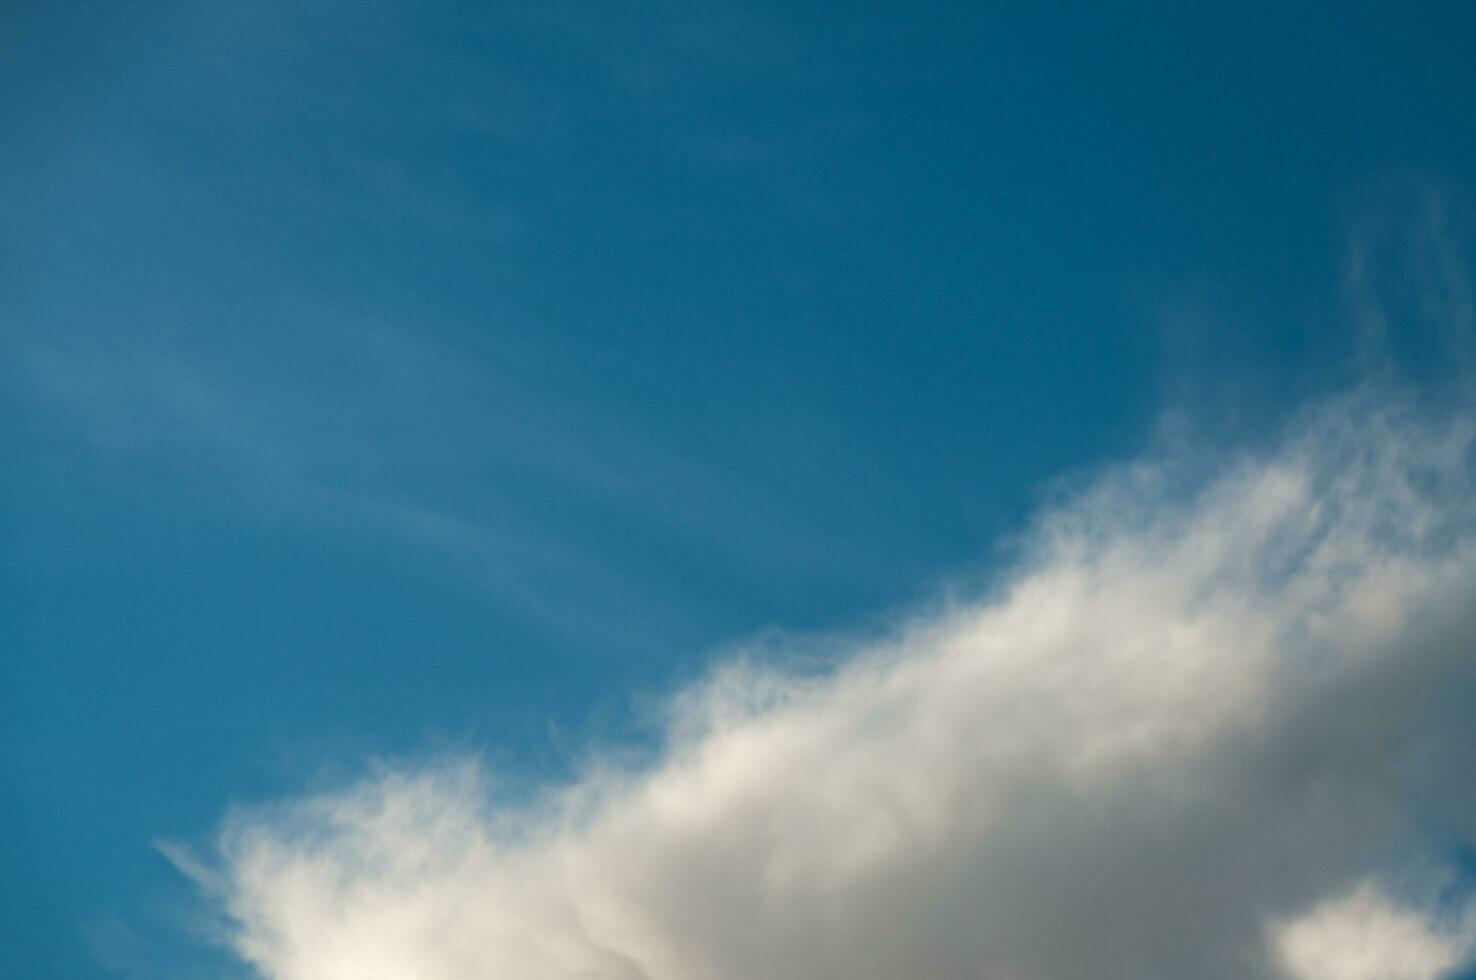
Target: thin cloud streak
column 1182, row 731
column 330, row 420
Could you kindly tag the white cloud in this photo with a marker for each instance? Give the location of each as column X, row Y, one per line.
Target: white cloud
column 1366, row 936
column 1195, row 711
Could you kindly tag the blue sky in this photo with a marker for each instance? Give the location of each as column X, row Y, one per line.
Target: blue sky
column 400, row 381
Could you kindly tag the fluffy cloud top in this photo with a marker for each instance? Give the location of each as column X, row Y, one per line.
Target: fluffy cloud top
column 1202, row 730
column 1364, row 936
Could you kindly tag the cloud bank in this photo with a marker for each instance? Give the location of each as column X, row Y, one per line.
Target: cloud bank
column 1214, row 724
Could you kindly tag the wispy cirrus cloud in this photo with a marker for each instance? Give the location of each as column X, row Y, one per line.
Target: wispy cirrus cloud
column 470, row 453
column 1202, row 714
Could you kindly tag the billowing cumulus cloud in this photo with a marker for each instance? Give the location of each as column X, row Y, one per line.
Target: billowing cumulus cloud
column 1363, row 936
column 1214, row 724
